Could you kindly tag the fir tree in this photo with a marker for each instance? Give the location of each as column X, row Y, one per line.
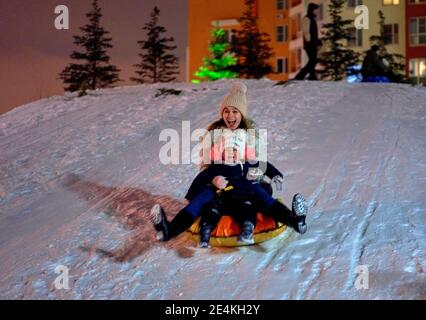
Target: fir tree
column 218, row 64
column 158, row 64
column 337, row 57
column 251, row 46
column 396, row 61
column 94, row 71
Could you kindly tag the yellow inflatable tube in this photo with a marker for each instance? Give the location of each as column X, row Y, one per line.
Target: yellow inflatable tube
column 227, row 231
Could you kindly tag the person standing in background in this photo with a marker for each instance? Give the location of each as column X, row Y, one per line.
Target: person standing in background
column 310, row 42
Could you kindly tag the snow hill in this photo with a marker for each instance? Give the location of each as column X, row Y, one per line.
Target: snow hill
column 79, row 175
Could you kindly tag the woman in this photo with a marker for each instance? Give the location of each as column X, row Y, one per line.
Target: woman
column 235, row 123
column 233, row 118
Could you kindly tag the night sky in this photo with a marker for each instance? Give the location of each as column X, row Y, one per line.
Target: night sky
column 33, row 52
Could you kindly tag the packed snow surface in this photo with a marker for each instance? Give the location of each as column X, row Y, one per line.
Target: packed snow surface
column 79, row 175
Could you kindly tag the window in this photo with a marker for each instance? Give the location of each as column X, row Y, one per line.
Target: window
column 356, row 35
column 354, row 3
column 282, row 33
column 418, row 67
column 391, row 33
column 296, row 27
column 282, row 64
column 299, row 57
column 229, row 35
column 281, row 4
column 299, row 22
column 418, row 31
column 390, row 2
column 295, row 3
column 417, row 1
column 321, row 11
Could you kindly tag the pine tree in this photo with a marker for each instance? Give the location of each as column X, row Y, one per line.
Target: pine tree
column 396, row 61
column 337, row 57
column 218, row 64
column 251, row 46
column 158, row 64
column 94, row 71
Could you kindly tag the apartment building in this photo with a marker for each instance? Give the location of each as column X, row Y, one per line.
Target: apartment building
column 281, row 19
column 415, row 13
column 204, row 15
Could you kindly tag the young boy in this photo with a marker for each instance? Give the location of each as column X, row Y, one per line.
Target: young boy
column 236, row 198
column 243, row 196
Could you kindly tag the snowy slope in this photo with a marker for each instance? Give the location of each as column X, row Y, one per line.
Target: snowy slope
column 78, row 176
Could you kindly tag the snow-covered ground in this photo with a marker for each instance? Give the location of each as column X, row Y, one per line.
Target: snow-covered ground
column 78, row 176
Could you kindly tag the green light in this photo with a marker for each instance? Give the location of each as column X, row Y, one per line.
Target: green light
column 220, row 60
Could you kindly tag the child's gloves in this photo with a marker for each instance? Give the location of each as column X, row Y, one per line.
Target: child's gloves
column 278, row 181
column 254, row 174
column 220, row 182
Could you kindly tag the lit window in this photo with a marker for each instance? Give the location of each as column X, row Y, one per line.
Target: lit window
column 416, row 1
column 390, row 2
column 417, row 67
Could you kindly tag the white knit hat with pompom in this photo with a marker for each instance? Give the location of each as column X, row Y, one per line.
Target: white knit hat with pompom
column 236, row 98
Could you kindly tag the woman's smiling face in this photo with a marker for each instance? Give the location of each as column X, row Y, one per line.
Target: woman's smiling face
column 232, row 117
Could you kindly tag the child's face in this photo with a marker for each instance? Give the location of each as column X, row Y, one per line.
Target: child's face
column 232, row 117
column 230, row 155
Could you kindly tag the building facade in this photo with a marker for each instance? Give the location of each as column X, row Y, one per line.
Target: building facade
column 395, row 27
column 405, row 23
column 415, row 11
column 204, row 15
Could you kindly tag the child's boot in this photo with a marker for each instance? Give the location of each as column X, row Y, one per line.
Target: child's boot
column 247, row 230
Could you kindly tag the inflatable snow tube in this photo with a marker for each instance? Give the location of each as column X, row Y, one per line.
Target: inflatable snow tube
column 227, row 231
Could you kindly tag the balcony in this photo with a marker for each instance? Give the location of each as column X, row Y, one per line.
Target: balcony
column 297, row 9
column 295, row 3
column 224, row 23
